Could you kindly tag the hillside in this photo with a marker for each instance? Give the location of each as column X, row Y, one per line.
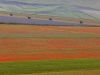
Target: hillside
column 86, row 9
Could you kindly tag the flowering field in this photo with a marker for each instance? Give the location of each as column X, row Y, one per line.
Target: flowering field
column 27, row 42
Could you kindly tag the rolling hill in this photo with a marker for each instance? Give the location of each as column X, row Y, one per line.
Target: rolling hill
column 85, row 9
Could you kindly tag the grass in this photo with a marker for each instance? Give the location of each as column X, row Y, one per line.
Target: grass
column 29, row 67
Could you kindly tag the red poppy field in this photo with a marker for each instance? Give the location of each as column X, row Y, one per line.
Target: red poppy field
column 27, row 42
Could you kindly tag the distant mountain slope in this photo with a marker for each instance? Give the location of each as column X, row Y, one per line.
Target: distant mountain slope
column 86, row 9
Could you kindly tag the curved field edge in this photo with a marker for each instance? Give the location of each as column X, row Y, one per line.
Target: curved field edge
column 43, row 66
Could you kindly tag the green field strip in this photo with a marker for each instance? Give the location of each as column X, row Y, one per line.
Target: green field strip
column 48, row 50
column 80, row 72
column 42, row 9
column 42, row 66
column 53, row 35
column 26, row 7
